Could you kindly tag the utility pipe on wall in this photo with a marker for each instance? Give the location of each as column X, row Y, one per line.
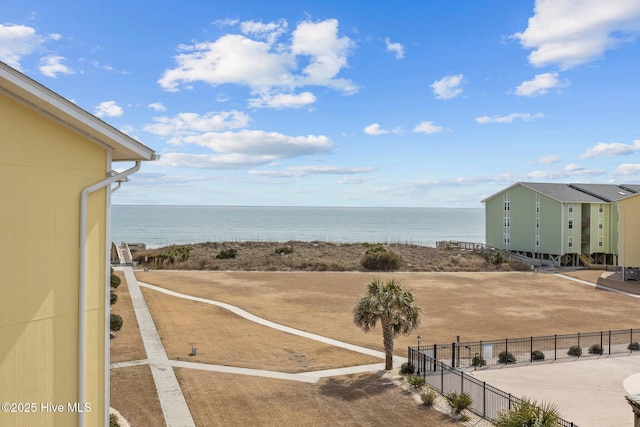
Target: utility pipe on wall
column 82, row 287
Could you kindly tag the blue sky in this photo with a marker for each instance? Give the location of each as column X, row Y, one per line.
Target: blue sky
column 336, row 103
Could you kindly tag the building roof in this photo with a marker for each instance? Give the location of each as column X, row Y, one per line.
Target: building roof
column 48, row 103
column 579, row 193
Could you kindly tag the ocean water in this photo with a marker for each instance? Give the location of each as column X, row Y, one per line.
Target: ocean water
column 164, row 225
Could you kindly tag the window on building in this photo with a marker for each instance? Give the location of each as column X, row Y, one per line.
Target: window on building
column 600, row 241
column 507, row 206
column 537, row 222
column 570, row 224
column 570, row 207
column 600, row 208
column 537, row 240
column 570, row 242
column 600, row 225
column 537, row 207
column 506, row 221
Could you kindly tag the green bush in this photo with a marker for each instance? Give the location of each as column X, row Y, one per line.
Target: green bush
column 115, row 280
column 407, row 368
column 459, row 402
column 575, row 350
column 537, row 355
column 227, row 254
column 596, row 349
column 527, row 413
column 633, row 346
column 113, row 421
column 478, row 361
column 116, row 322
column 285, row 250
column 114, row 297
column 428, row 397
column 380, row 259
column 416, row 381
column 506, row 357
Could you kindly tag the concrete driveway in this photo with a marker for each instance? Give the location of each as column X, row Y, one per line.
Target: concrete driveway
column 590, row 393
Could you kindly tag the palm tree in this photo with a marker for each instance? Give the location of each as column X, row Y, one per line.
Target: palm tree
column 393, row 306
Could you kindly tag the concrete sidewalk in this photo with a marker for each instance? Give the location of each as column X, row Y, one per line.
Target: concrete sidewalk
column 174, row 407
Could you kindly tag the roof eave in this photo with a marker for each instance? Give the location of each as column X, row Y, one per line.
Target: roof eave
column 45, row 101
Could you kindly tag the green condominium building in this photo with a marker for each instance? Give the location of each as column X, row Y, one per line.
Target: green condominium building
column 558, row 224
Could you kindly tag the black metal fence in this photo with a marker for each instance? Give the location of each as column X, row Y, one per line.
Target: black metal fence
column 487, row 401
column 532, row 349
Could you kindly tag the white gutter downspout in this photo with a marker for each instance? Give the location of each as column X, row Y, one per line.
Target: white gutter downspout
column 82, row 290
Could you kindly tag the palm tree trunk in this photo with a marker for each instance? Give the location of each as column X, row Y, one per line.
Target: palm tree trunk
column 387, row 339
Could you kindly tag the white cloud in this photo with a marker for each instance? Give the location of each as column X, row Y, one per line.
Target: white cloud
column 298, row 171
column 375, row 130
column 270, row 32
column 157, row 106
column 603, row 149
column 108, row 109
column 186, row 124
column 212, row 161
column 540, row 85
column 283, row 100
column 17, row 41
column 509, row 118
column 628, row 169
column 396, row 48
column 448, row 87
column 260, row 143
column 263, row 64
column 572, row 32
column 51, row 66
column 572, row 167
column 428, row 128
column 244, row 149
column 549, row 160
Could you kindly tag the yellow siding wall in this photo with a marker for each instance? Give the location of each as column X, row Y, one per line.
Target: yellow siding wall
column 630, row 228
column 43, row 168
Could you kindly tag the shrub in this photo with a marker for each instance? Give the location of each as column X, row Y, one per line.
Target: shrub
column 528, row 413
column 114, row 298
column 478, row 361
column 428, row 397
column 596, row 349
column 115, row 280
column 537, row 355
column 113, row 421
column 407, row 368
column 380, row 259
column 416, row 381
column 116, row 322
column 459, row 402
column 227, row 254
column 506, row 357
column 575, row 350
column 633, row 346
column 285, row 250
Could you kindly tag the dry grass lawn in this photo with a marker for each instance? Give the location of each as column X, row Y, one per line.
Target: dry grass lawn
column 218, row 399
column 224, row 338
column 476, row 306
column 472, row 305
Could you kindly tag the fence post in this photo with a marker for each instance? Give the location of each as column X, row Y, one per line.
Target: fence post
column 601, row 340
column 461, row 382
column 555, row 347
column 609, row 342
column 531, row 351
column 484, row 399
column 453, row 354
column 435, row 356
column 579, row 342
